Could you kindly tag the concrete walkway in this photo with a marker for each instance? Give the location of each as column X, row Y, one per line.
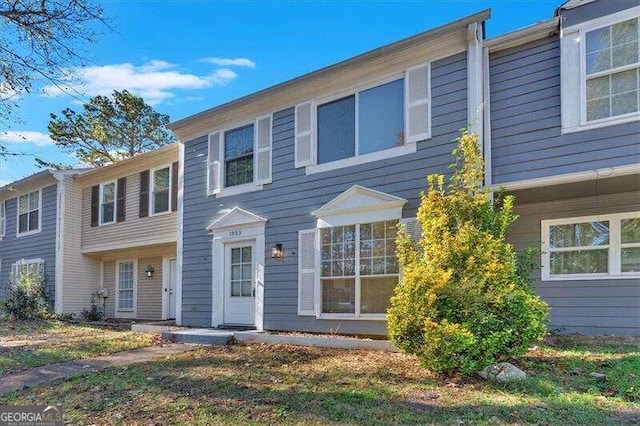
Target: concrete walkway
column 48, row 373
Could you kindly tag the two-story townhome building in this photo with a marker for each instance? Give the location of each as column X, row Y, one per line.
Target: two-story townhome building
column 563, row 135
column 290, row 197
column 126, row 216
column 32, row 223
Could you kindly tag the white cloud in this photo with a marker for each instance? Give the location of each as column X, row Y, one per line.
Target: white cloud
column 24, row 137
column 230, row 62
column 155, row 80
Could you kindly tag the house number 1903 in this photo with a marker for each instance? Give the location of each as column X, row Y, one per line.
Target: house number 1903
column 236, row 233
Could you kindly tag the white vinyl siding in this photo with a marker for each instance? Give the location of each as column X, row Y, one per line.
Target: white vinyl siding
column 594, row 247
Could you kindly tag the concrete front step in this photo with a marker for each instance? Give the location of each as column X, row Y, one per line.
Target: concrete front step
column 203, row 336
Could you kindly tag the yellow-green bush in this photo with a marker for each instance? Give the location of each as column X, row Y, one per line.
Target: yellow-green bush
column 465, row 299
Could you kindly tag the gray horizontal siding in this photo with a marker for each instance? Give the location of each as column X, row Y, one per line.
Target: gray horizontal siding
column 597, row 9
column 607, row 306
column 526, row 138
column 287, row 203
column 40, row 245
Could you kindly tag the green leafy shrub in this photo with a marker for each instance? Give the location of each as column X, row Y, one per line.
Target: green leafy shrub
column 25, row 297
column 465, row 299
column 95, row 313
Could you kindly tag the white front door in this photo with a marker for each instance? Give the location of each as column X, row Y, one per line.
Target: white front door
column 239, row 283
column 170, row 289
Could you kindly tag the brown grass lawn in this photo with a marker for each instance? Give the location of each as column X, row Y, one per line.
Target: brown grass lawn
column 297, row 385
column 25, row 344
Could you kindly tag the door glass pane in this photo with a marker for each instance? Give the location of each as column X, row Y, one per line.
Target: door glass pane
column 236, row 288
column 381, row 117
column 631, row 259
column 235, row 255
column 125, row 285
column 246, row 289
column 580, row 262
column 376, row 293
column 338, row 296
column 241, row 272
column 337, row 130
column 246, row 254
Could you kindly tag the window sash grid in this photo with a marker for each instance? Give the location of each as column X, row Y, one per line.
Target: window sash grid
column 584, row 248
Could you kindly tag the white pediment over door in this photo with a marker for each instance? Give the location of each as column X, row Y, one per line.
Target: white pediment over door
column 358, row 203
column 236, row 218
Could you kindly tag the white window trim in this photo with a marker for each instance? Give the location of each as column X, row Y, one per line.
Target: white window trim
column 35, row 261
column 115, row 203
column 407, row 148
column 35, row 231
column 126, row 313
column 3, row 219
column 577, row 101
column 614, row 248
column 357, row 315
column 152, row 206
column 237, row 189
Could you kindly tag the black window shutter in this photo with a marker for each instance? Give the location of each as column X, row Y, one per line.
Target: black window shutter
column 95, row 205
column 144, row 193
column 121, row 196
column 174, row 186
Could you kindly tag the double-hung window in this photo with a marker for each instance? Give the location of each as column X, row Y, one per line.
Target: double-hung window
column 238, row 156
column 612, row 71
column 107, row 202
column 591, row 247
column 600, row 78
column 359, row 268
column 29, row 206
column 24, row 266
column 161, row 190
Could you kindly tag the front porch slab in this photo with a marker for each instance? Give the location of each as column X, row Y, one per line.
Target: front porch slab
column 202, row 336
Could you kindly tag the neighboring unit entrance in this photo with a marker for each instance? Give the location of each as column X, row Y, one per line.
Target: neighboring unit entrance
column 239, row 283
column 169, row 289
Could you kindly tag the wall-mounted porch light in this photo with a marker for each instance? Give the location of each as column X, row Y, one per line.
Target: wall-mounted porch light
column 150, row 271
column 277, row 252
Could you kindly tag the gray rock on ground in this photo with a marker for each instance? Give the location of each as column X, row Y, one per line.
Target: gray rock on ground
column 502, row 372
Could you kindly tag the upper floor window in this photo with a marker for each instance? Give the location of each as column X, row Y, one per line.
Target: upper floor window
column 161, row 190
column 612, row 68
column 107, row 202
column 376, row 121
column 238, row 156
column 29, row 206
column 367, row 121
column 3, row 219
column 592, row 247
column 600, row 71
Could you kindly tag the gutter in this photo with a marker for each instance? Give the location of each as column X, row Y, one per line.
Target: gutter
column 524, row 35
column 379, row 52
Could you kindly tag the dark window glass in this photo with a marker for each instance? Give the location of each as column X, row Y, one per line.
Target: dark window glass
column 161, row 201
column 24, row 219
column 33, row 220
column 337, row 130
column 381, row 117
column 107, row 212
column 238, row 154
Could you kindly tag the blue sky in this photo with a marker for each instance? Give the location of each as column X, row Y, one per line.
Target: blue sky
column 184, row 57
